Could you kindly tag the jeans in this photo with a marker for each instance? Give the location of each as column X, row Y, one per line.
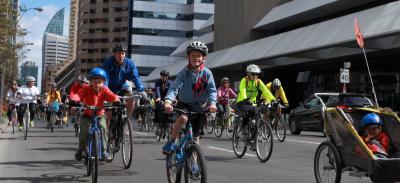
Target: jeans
column 84, row 134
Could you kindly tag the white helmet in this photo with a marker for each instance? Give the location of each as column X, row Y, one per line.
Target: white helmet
column 252, row 68
column 276, row 83
column 30, row 78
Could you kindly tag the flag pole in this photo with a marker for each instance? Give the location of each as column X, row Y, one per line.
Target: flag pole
column 370, row 77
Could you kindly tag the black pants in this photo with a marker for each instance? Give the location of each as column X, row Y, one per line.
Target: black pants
column 246, row 111
column 197, row 121
column 59, row 114
column 21, row 112
column 11, row 107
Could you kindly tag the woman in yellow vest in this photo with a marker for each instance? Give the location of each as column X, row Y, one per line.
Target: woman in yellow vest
column 53, row 100
column 248, row 91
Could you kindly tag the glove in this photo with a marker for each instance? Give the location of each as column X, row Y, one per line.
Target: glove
column 143, row 94
column 74, row 103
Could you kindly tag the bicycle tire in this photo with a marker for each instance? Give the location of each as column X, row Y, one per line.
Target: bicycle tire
column 264, row 133
column 95, row 151
column 236, row 140
column 280, row 129
column 218, row 128
column 88, row 159
column 229, row 128
column 210, row 126
column 159, row 133
column 14, row 120
column 201, row 161
column 76, row 127
column 174, row 172
column 127, row 162
column 27, row 118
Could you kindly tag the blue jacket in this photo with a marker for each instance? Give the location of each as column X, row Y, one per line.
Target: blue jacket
column 160, row 92
column 118, row 75
column 195, row 89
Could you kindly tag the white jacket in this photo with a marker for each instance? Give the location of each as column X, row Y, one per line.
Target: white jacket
column 29, row 95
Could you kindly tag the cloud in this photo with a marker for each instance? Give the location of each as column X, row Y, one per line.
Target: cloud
column 35, row 23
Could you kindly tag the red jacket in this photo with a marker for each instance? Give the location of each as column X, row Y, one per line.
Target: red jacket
column 383, row 139
column 76, row 87
column 89, row 97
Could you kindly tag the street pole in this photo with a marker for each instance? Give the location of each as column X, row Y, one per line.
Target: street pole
column 1, row 92
column 370, row 77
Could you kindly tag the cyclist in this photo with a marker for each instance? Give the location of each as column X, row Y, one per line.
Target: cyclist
column 162, row 87
column 11, row 98
column 277, row 90
column 94, row 94
column 78, row 84
column 28, row 92
column 224, row 94
column 248, row 92
column 53, row 96
column 197, row 90
column 120, row 70
column 64, row 109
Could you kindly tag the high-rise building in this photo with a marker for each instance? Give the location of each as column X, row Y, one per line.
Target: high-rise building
column 157, row 28
column 55, row 53
column 101, row 24
column 28, row 68
column 65, row 73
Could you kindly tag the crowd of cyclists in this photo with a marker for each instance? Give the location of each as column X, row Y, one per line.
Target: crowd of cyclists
column 193, row 89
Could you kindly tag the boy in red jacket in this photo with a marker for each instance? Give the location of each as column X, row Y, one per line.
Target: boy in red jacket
column 376, row 140
column 94, row 95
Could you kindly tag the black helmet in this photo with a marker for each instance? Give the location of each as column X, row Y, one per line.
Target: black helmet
column 197, row 46
column 164, row 73
column 119, row 47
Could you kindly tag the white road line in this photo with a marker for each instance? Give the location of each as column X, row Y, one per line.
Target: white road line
column 301, row 141
column 226, row 150
column 140, row 133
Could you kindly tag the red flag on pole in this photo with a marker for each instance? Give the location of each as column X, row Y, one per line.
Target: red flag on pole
column 359, row 36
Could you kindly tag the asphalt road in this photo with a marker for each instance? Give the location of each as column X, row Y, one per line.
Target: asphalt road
column 48, row 157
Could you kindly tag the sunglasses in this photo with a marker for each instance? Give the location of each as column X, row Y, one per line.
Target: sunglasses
column 226, row 82
column 254, row 74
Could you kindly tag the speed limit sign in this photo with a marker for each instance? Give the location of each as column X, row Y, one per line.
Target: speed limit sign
column 344, row 76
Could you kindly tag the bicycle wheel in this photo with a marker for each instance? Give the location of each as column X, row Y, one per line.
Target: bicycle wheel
column 148, row 122
column 229, row 127
column 327, row 164
column 76, row 127
column 88, row 158
column 127, row 144
column 95, row 159
column 239, row 141
column 264, row 141
column 210, row 125
column 14, row 121
column 159, row 133
column 52, row 121
column 174, row 169
column 195, row 166
column 26, row 123
column 280, row 129
column 219, row 128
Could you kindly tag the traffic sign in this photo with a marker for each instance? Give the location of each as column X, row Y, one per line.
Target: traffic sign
column 344, row 76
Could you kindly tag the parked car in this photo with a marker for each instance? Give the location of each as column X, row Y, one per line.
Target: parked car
column 307, row 116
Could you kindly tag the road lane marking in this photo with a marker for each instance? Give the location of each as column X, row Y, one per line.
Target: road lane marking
column 301, row 141
column 140, row 133
column 226, row 150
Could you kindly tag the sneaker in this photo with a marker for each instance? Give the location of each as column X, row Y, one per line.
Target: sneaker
column 195, row 169
column 31, row 124
column 78, row 155
column 106, row 156
column 168, row 148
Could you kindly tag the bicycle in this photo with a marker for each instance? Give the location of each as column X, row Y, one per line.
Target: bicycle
column 77, row 122
column 181, row 158
column 278, row 122
column 93, row 151
column 26, row 119
column 14, row 116
column 53, row 108
column 64, row 118
column 224, row 122
column 257, row 134
column 164, row 126
column 210, row 123
column 120, row 133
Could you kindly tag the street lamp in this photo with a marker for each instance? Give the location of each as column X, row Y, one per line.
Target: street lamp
column 24, row 10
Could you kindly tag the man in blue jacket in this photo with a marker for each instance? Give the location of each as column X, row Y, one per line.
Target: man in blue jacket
column 195, row 87
column 120, row 71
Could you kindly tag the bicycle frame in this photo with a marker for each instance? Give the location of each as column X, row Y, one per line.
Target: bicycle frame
column 94, row 127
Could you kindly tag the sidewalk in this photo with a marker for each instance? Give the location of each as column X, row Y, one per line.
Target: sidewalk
column 3, row 121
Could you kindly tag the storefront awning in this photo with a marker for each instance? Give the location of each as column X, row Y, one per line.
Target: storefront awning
column 329, row 39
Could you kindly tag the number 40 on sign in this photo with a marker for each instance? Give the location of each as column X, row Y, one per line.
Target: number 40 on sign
column 344, row 76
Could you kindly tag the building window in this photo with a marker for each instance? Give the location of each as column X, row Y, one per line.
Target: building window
column 105, row 1
column 92, row 11
column 104, row 50
column 91, row 31
column 93, row 1
column 105, row 10
column 104, row 30
column 118, row 19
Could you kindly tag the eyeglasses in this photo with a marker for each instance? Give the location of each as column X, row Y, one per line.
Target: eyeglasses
column 226, row 82
column 254, row 74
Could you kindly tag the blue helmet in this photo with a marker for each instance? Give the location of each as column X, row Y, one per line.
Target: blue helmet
column 371, row 119
column 98, row 72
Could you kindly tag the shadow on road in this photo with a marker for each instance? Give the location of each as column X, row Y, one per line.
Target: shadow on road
column 48, row 178
column 145, row 142
column 53, row 164
column 220, row 158
column 54, row 149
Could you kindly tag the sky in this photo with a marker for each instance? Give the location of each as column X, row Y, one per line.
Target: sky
column 35, row 22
